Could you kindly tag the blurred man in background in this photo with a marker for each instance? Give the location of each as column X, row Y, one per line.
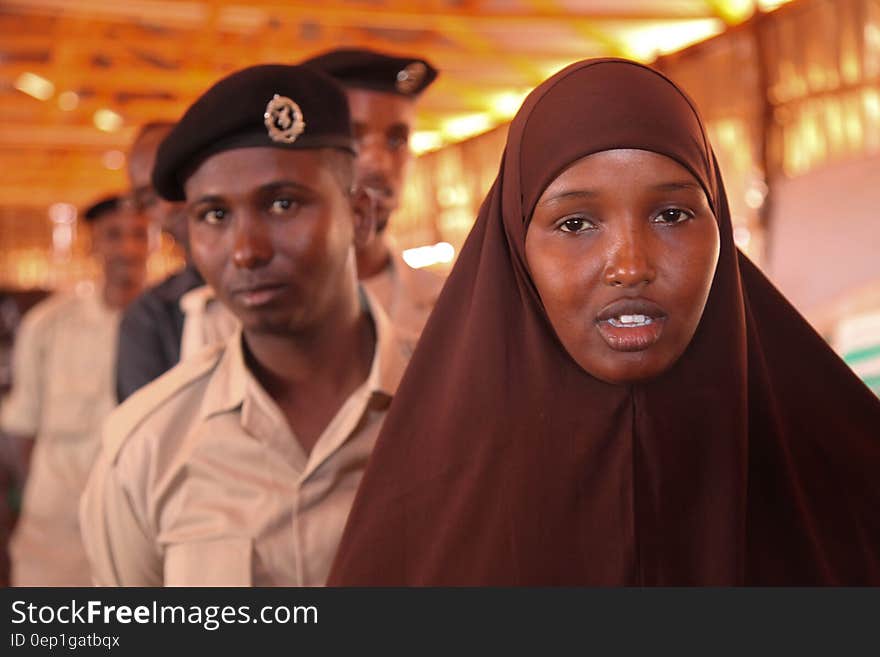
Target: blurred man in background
column 382, row 92
column 152, row 327
column 63, row 388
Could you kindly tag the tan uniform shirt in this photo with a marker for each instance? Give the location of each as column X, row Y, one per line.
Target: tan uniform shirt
column 201, row 482
column 408, row 295
column 63, row 389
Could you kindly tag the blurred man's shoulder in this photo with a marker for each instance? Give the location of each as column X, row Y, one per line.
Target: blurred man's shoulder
column 164, row 297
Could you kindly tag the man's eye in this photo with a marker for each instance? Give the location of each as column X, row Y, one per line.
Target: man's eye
column 281, row 205
column 213, row 216
column 576, row 225
column 397, row 141
column 672, row 216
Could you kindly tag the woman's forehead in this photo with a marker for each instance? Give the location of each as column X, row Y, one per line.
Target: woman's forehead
column 637, row 164
column 606, row 106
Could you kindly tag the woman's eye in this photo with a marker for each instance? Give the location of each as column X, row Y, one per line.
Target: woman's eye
column 213, row 216
column 672, row 216
column 575, row 225
column 281, row 205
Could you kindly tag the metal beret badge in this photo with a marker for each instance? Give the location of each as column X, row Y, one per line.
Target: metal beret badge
column 283, row 119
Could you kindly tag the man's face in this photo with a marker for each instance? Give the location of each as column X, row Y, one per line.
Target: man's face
column 271, row 231
column 120, row 240
column 141, row 159
column 382, row 126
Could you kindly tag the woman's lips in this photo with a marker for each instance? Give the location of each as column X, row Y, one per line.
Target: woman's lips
column 631, row 324
column 632, row 337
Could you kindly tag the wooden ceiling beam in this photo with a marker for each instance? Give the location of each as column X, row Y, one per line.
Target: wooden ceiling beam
column 192, row 50
column 80, row 193
column 395, row 15
column 589, row 29
column 41, row 135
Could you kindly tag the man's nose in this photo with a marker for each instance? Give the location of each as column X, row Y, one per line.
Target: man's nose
column 253, row 246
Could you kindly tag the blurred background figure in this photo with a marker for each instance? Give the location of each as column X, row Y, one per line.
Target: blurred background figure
column 152, row 327
column 382, row 91
column 62, row 389
column 13, row 304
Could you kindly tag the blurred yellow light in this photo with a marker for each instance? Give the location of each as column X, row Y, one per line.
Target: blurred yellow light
column 425, row 256
column 68, row 101
column 849, row 65
column 834, row 128
column 727, row 132
column 552, row 69
column 35, row 85
column 872, row 36
column 467, row 125
column 646, row 43
column 423, row 141
column 506, row 105
column 855, row 133
column 871, row 101
column 107, row 120
column 770, row 5
column 735, row 11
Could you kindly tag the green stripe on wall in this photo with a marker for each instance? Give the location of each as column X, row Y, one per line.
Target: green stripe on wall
column 860, row 355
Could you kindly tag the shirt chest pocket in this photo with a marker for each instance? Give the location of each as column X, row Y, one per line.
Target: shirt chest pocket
column 217, row 562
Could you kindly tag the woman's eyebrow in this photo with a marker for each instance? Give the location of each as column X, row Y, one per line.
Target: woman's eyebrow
column 677, row 185
column 574, row 193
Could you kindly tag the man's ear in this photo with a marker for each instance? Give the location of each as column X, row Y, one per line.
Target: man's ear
column 364, row 211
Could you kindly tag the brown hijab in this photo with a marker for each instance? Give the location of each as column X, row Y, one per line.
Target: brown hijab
column 754, row 460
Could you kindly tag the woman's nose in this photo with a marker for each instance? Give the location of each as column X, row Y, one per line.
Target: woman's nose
column 629, row 263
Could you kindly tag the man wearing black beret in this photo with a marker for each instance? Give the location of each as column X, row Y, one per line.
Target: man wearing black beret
column 239, row 466
column 382, row 91
column 63, row 367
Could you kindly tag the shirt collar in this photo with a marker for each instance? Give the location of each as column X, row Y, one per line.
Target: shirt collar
column 230, row 383
column 92, row 296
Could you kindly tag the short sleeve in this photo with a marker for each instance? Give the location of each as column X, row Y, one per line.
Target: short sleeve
column 115, row 533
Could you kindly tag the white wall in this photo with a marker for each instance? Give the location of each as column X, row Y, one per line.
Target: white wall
column 824, row 241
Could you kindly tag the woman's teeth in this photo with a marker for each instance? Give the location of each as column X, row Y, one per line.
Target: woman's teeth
column 630, row 321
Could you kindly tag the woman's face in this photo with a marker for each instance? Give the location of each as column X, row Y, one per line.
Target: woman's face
column 622, row 247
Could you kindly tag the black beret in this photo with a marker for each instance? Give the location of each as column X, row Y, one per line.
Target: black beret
column 274, row 105
column 104, row 206
column 368, row 69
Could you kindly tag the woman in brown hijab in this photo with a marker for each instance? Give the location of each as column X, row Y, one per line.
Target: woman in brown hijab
column 608, row 392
